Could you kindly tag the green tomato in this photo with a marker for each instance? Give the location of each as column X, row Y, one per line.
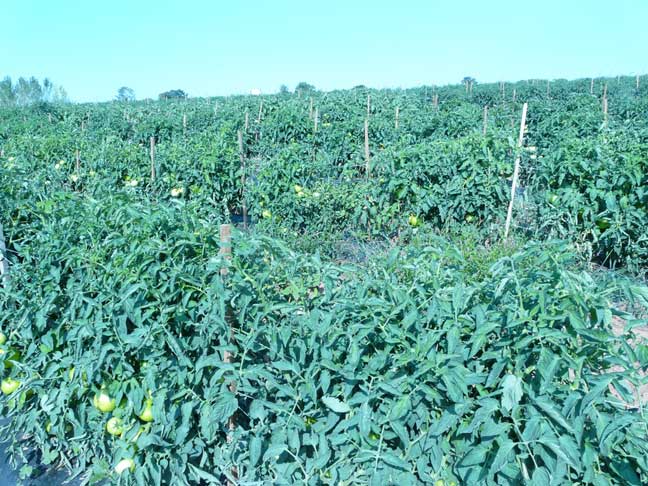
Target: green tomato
column 413, row 221
column 603, row 223
column 552, row 198
column 3, row 338
column 266, row 214
column 9, row 385
column 115, row 426
column 125, row 465
column 470, row 218
column 103, row 402
column 298, row 188
column 147, row 413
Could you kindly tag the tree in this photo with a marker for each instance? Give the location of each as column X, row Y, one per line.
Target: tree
column 173, row 94
column 30, row 91
column 125, row 94
column 283, row 89
column 7, row 93
column 304, row 87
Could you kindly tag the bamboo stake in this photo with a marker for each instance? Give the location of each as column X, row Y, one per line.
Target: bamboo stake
column 242, row 156
column 366, row 147
column 226, row 253
column 485, row 119
column 152, row 153
column 397, row 114
column 516, row 171
column 4, row 262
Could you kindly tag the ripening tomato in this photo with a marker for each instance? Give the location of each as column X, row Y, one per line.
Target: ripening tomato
column 115, row 426
column 125, row 465
column 9, row 385
column 103, row 402
column 147, row 413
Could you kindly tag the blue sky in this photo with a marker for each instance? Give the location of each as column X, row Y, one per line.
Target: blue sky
column 217, row 48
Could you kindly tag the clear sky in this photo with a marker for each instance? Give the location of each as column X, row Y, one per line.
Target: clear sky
column 211, row 47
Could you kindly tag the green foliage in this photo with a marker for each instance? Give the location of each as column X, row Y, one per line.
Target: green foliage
column 477, row 362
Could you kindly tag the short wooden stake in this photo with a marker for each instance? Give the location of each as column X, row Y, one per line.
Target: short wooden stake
column 592, row 86
column 514, row 95
column 548, row 83
column 397, row 113
column 637, row 81
column 435, row 102
column 485, row 119
column 368, row 104
column 366, row 147
column 315, row 119
column 153, row 172
column 260, row 112
column 605, row 111
column 310, row 109
column 605, row 91
column 4, row 262
column 78, row 162
column 226, row 252
column 184, row 124
column 242, row 157
column 516, row 171
column 247, row 121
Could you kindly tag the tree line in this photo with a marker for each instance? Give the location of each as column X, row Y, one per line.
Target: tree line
column 29, row 91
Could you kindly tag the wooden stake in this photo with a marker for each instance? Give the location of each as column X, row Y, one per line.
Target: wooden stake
column 592, row 86
column 310, row 109
column 184, row 124
column 49, row 115
column 516, row 171
column 397, row 113
column 368, row 104
column 435, row 102
column 78, row 162
column 315, row 119
column 605, row 91
column 637, row 81
column 260, row 112
column 153, row 173
column 548, row 82
column 605, row 111
column 485, row 119
column 514, row 95
column 247, row 121
column 242, row 156
column 366, row 147
column 4, row 262
column 226, row 253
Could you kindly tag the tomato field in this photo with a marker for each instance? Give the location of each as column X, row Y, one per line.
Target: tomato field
column 371, row 325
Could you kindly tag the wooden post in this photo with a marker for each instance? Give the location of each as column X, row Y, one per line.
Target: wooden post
column 548, row 82
column 83, row 125
column 49, row 115
column 514, row 95
column 516, row 171
column 397, row 113
column 4, row 263
column 153, row 172
column 366, row 147
column 605, row 91
column 435, row 102
column 592, row 86
column 316, row 116
column 78, row 162
column 485, row 119
column 226, row 253
column 184, row 124
column 242, row 156
column 637, row 81
column 368, row 104
column 247, row 121
column 310, row 109
column 605, row 112
column 260, row 112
